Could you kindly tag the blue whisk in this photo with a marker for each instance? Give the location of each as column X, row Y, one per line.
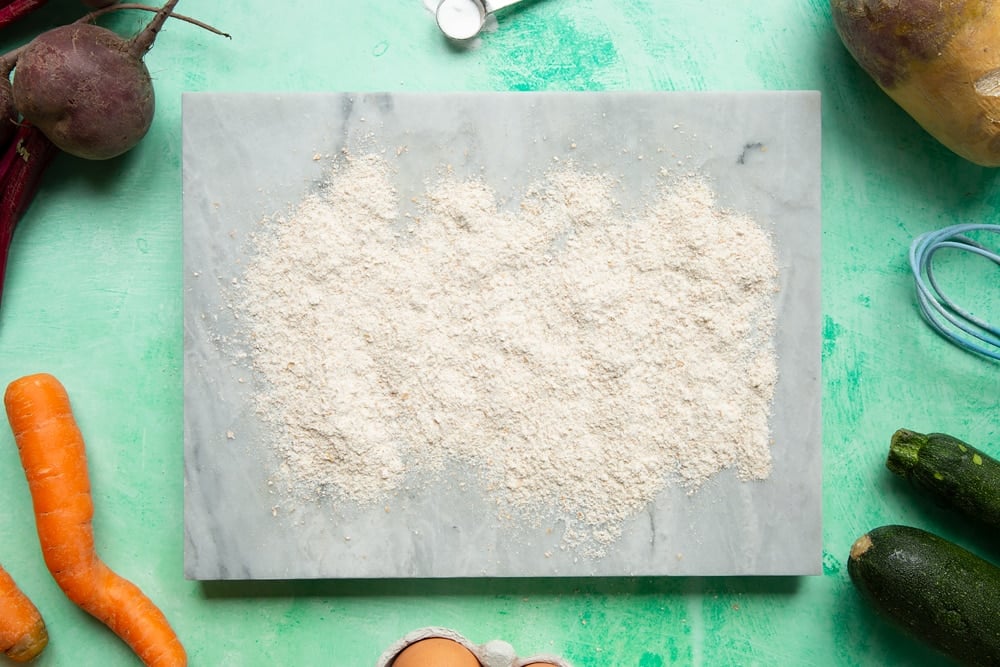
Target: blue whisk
column 945, row 316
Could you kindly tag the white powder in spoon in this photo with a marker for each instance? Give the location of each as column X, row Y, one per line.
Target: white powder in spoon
column 578, row 357
column 460, row 19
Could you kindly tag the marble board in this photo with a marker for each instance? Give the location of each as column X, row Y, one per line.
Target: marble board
column 250, row 155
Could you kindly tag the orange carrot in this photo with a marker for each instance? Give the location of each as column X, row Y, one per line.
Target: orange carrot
column 55, row 463
column 22, row 630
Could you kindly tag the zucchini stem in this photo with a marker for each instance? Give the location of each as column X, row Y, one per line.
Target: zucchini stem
column 904, row 451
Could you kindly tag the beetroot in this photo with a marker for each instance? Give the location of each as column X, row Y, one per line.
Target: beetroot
column 8, row 112
column 18, row 9
column 78, row 88
column 22, row 165
column 12, row 10
column 87, row 88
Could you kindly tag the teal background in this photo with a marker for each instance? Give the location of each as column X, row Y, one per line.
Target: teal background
column 94, row 296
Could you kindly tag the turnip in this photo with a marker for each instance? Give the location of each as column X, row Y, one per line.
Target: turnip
column 938, row 59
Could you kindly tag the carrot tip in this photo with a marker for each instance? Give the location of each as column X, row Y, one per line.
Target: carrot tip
column 30, row 645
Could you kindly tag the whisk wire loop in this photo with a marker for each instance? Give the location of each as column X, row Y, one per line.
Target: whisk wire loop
column 943, row 314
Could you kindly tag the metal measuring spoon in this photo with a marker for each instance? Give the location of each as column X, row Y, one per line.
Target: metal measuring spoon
column 464, row 19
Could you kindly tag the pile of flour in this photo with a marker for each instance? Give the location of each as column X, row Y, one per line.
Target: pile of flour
column 575, row 356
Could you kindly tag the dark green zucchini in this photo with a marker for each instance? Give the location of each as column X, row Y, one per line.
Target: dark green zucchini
column 955, row 473
column 936, row 590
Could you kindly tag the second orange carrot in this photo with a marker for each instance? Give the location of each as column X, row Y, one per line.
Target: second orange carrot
column 55, row 462
column 22, row 630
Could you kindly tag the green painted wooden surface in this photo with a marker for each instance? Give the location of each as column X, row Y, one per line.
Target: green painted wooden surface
column 94, row 296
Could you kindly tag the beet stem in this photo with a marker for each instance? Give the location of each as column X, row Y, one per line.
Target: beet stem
column 21, row 168
column 18, row 9
column 94, row 15
column 143, row 41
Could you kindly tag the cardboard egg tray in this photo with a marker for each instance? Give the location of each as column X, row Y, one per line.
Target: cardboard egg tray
column 494, row 653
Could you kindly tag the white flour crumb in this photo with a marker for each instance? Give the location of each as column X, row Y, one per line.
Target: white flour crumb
column 579, row 357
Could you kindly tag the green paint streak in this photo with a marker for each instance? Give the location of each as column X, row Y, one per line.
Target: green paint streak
column 977, row 459
column 651, row 660
column 549, row 53
column 831, row 331
column 831, row 564
column 854, row 374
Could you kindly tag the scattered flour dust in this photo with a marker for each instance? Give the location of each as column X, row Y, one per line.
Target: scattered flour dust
column 579, row 357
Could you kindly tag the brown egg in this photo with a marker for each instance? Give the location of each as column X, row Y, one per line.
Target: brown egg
column 436, row 652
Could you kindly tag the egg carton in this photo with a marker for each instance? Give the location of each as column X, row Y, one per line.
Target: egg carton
column 494, row 653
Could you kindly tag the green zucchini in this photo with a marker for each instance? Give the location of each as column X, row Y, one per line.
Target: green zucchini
column 936, row 590
column 955, row 473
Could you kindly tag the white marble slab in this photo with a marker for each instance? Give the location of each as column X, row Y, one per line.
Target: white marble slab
column 248, row 155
